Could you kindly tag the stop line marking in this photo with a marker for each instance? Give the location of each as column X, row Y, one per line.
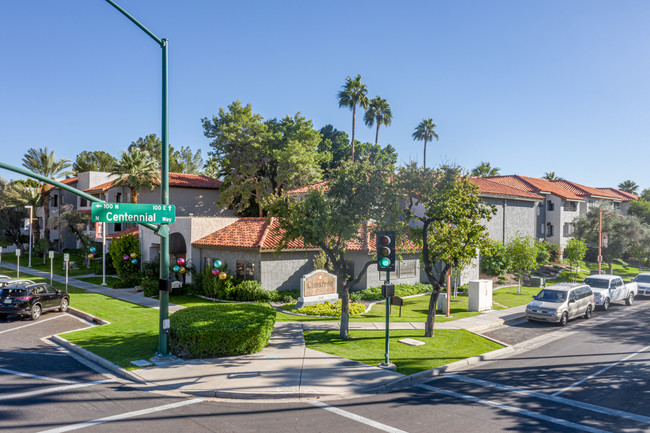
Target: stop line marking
column 35, row 376
column 56, row 389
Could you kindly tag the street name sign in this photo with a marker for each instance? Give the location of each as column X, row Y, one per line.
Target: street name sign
column 133, row 213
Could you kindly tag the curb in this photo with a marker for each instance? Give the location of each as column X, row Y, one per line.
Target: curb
column 119, row 371
column 88, row 317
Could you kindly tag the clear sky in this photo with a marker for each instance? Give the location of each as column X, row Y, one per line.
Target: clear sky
column 530, row 86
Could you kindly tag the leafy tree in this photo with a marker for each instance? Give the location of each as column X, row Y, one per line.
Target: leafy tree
column 353, row 93
column 623, row 233
column 551, row 176
column 378, row 113
column 443, row 216
column 484, row 169
column 628, row 186
column 75, row 223
column 640, row 209
column 44, row 162
column 641, row 250
column 522, row 256
column 96, row 160
column 20, row 193
column 575, row 251
column 645, row 194
column 425, row 131
column 331, row 218
column 11, row 222
column 180, row 161
column 121, row 247
column 494, row 260
column 258, row 159
column 136, row 170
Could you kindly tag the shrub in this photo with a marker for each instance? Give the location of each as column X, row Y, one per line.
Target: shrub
column 284, row 295
column 554, row 251
column 150, row 285
column 495, row 261
column 620, row 262
column 401, row 290
column 207, row 331
column 128, row 272
column 327, row 309
column 232, row 289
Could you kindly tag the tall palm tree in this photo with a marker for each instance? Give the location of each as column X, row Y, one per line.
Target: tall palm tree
column 551, row 176
column 353, row 93
column 629, row 186
column 20, row 194
column 485, row 169
column 425, row 131
column 136, row 169
column 378, row 113
column 43, row 162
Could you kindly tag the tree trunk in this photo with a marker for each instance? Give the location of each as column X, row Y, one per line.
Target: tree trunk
column 134, row 196
column 46, row 213
column 354, row 111
column 611, row 268
column 377, row 135
column 344, row 332
column 431, row 313
column 519, row 287
column 425, row 152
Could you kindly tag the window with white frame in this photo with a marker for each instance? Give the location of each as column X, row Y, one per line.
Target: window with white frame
column 571, row 206
column 549, row 205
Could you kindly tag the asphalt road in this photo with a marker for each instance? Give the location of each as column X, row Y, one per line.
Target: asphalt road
column 594, row 376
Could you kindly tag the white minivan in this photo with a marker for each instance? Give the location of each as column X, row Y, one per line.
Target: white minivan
column 560, row 303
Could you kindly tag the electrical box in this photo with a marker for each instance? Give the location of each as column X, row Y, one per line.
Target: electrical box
column 480, row 295
column 387, row 290
column 442, row 303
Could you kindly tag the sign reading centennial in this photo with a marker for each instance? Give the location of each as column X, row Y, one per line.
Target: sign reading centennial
column 317, row 287
column 133, row 213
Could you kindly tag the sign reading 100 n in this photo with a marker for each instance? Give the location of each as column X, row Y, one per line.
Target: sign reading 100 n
column 133, row 213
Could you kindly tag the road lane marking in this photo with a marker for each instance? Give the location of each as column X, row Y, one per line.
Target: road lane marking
column 32, row 324
column 122, row 416
column 562, row 400
column 355, row 417
column 55, row 389
column 34, row 376
column 514, row 409
column 21, row 352
column 600, row 371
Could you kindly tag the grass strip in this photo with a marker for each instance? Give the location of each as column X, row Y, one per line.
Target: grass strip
column 448, row 345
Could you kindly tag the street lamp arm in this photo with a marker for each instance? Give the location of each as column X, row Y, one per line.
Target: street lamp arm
column 136, row 22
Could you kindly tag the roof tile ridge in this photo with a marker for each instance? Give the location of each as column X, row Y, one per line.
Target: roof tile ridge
column 265, row 232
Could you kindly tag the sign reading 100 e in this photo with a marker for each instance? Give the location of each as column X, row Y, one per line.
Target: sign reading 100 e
column 133, row 213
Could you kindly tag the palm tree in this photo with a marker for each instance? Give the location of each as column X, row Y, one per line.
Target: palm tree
column 351, row 94
column 424, row 131
column 551, row 176
column 43, row 162
column 628, row 186
column 21, row 194
column 136, row 169
column 378, row 112
column 484, row 169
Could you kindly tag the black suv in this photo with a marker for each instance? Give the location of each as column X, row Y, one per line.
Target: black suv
column 32, row 300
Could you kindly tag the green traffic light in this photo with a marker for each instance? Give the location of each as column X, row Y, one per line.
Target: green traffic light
column 384, row 262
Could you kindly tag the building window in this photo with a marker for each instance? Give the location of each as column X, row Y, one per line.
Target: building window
column 55, row 201
column 568, row 229
column 407, row 268
column 539, row 210
column 245, row 270
column 541, row 228
column 571, row 206
column 549, row 230
column 118, row 197
column 83, row 202
column 550, row 205
column 117, row 227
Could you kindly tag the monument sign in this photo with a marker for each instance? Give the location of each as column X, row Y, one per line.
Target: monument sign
column 317, row 287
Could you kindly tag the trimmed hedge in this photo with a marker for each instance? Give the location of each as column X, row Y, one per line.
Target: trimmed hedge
column 374, row 293
column 326, row 309
column 232, row 289
column 209, row 331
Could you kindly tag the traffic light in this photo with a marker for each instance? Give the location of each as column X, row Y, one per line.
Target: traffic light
column 385, row 251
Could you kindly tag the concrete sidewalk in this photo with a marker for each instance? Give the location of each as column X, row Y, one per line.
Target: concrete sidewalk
column 285, row 369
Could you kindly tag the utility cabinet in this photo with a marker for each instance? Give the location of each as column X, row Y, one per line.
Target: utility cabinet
column 480, row 295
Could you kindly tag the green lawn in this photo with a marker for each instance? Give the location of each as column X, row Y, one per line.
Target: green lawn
column 447, row 346
column 37, row 263
column 98, row 280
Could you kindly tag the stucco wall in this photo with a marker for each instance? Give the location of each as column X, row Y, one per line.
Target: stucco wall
column 511, row 216
column 188, row 201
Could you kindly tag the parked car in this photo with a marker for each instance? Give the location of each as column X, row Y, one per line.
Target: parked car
column 15, row 282
column 560, row 303
column 643, row 283
column 32, row 300
column 4, row 277
column 610, row 288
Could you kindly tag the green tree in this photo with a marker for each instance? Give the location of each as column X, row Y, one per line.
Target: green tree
column 623, row 233
column 257, row 159
column 185, row 161
column 551, row 176
column 575, row 251
column 628, row 186
column 11, row 223
column 331, row 218
column 20, row 193
column 484, row 169
column 640, row 209
column 378, row 113
column 75, row 223
column 425, row 131
column 44, row 162
column 645, row 194
column 353, row 93
column 136, row 170
column 96, row 160
column 443, row 215
column 122, row 247
column 522, row 256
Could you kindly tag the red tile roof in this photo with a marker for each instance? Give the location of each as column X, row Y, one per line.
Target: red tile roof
column 489, row 186
column 304, row 189
column 264, row 234
column 624, row 196
column 177, row 180
column 131, row 231
column 70, row 180
column 584, row 191
column 533, row 184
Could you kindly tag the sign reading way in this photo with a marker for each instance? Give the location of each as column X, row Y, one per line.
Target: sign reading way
column 133, row 213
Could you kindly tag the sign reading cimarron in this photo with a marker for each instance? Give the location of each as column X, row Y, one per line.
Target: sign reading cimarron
column 317, row 287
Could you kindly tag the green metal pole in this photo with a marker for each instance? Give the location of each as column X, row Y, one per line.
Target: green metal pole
column 386, row 360
column 163, row 337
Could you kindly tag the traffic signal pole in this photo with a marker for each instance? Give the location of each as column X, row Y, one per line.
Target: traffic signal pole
column 385, row 247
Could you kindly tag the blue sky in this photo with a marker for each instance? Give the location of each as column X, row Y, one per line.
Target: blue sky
column 530, row 86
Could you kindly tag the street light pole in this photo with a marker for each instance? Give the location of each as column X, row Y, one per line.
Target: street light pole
column 600, row 239
column 163, row 230
column 31, row 210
